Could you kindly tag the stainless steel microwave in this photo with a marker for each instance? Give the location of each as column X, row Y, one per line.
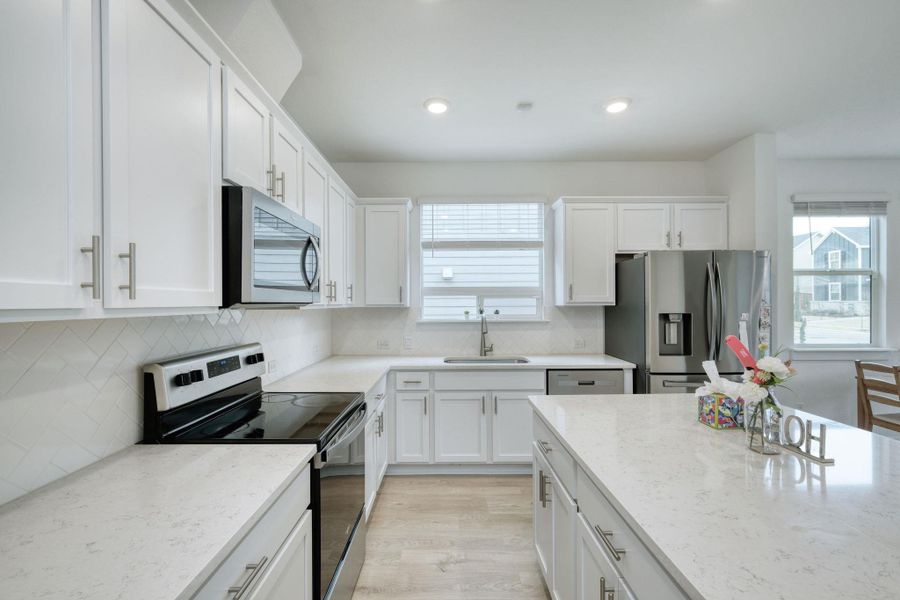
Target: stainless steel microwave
column 271, row 256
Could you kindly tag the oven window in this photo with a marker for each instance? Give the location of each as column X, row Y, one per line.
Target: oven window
column 283, row 255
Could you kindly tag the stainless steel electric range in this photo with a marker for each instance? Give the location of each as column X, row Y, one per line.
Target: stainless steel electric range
column 217, row 397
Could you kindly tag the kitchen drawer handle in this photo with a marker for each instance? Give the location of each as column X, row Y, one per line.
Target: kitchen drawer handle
column 94, row 251
column 255, row 569
column 604, row 537
column 606, row 594
column 410, row 381
column 545, row 446
column 379, row 396
column 542, row 491
column 132, row 275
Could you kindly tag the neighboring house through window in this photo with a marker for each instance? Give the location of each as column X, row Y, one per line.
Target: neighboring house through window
column 477, row 255
column 835, row 262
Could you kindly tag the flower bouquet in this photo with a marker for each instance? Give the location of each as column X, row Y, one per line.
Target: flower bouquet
column 762, row 411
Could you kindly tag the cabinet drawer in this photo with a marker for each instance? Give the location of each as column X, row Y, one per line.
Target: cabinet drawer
column 412, row 380
column 640, row 570
column 556, row 454
column 489, row 380
column 262, row 541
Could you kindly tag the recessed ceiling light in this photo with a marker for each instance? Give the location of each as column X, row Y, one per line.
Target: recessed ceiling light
column 436, row 106
column 617, row 105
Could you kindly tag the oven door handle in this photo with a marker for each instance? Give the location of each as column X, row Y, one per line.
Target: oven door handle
column 357, row 425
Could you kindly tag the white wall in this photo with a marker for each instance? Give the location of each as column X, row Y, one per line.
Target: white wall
column 71, row 391
column 826, row 384
column 567, row 330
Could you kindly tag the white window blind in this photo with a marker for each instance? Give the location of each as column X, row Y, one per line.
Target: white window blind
column 482, row 255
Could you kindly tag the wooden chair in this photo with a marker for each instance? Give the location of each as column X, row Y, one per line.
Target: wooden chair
column 865, row 396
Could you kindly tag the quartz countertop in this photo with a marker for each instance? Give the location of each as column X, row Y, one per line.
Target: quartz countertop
column 351, row 373
column 150, row 522
column 731, row 524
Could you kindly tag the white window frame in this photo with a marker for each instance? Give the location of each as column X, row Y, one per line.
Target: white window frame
column 832, row 285
column 876, row 300
column 480, row 293
column 834, row 254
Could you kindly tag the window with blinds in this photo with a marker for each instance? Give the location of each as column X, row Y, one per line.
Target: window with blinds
column 836, row 246
column 482, row 255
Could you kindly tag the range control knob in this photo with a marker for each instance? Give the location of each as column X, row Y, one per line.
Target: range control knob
column 183, row 379
column 252, row 359
column 260, row 357
column 196, row 375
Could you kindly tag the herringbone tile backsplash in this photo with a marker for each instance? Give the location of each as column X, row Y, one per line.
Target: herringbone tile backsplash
column 71, row 391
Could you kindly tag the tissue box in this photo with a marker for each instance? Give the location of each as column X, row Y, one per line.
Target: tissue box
column 720, row 411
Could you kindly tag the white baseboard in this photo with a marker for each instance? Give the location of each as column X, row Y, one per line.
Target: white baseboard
column 501, row 469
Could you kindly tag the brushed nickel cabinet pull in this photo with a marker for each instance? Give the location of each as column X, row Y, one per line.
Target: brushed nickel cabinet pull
column 495, row 404
column 281, row 179
column 680, row 239
column 255, row 569
column 571, row 293
column 482, row 404
column 349, row 292
column 132, row 274
column 545, row 446
column 94, row 250
column 425, row 404
column 542, row 492
column 604, row 537
column 270, row 186
column 401, row 294
column 668, row 239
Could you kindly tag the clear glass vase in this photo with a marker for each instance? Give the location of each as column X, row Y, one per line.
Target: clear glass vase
column 762, row 423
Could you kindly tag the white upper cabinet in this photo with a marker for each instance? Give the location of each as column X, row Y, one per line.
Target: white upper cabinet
column 246, row 136
column 315, row 190
column 386, row 242
column 162, row 159
column 643, row 226
column 287, row 164
column 350, row 271
column 336, row 240
column 47, row 165
column 700, row 226
column 585, row 253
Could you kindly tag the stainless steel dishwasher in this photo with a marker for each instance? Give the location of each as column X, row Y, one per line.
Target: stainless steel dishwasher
column 585, row 381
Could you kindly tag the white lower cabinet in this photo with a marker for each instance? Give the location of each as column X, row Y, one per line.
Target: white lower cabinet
column 412, row 427
column 511, row 426
column 274, row 560
column 460, row 427
column 542, row 500
column 376, row 452
column 289, row 576
column 565, row 511
column 596, row 578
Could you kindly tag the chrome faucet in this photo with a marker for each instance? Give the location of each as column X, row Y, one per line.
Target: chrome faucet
column 484, row 350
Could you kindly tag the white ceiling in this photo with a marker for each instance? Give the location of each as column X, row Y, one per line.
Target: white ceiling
column 823, row 74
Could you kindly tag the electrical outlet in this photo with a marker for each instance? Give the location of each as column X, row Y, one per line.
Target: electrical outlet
column 579, row 344
column 383, row 344
column 407, row 342
column 273, row 366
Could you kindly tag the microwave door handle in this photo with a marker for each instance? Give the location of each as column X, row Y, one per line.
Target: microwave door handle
column 303, row 254
column 315, row 280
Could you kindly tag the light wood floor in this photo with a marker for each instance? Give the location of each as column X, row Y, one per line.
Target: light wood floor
column 449, row 538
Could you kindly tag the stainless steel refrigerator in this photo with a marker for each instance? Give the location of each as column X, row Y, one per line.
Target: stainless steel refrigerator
column 674, row 310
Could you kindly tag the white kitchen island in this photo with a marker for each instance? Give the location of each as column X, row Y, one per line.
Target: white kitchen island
column 700, row 516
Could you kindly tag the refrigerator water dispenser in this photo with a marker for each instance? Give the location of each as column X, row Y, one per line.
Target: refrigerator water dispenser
column 675, row 334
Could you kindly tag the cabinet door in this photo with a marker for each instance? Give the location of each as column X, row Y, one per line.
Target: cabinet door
column 246, row 138
column 162, row 156
column 46, row 154
column 511, row 426
column 287, row 164
column 643, row 226
column 565, row 511
column 350, row 253
column 371, row 442
column 700, row 226
column 595, row 577
column 381, row 449
column 590, row 261
column 386, row 256
column 542, row 501
column 336, row 240
column 412, row 431
column 315, row 191
column 289, row 575
column 460, row 427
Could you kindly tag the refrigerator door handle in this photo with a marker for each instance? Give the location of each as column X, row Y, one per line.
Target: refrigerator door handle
column 721, row 308
column 711, row 312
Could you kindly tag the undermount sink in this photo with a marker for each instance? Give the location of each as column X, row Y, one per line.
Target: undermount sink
column 492, row 360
